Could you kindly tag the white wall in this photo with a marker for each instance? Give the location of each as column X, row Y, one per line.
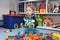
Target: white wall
column 4, row 7
column 13, row 5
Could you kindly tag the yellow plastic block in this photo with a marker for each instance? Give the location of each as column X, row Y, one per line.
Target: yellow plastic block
column 56, row 35
column 7, row 31
column 42, row 11
column 58, row 39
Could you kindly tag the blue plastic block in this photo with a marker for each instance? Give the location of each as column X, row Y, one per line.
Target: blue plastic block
column 49, row 37
column 42, row 4
column 17, row 36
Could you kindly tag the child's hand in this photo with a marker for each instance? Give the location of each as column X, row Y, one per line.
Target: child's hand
column 21, row 25
column 31, row 26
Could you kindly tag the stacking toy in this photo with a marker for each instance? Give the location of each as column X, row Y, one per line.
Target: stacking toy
column 39, row 20
column 42, row 11
column 42, row 7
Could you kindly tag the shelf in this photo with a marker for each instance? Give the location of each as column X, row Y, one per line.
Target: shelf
column 28, row 1
column 39, row 13
column 49, row 5
column 53, row 13
column 48, row 13
column 49, row 28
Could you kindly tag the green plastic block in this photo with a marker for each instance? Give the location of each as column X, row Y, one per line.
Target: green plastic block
column 26, row 38
column 44, row 37
column 31, row 31
column 40, row 21
column 10, row 39
column 40, row 34
column 54, row 39
column 19, row 33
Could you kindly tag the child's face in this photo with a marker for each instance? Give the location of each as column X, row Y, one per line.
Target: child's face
column 29, row 11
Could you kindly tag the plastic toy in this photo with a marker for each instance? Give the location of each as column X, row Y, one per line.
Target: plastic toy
column 54, row 39
column 58, row 39
column 55, row 35
column 31, row 31
column 56, row 25
column 42, row 11
column 19, row 33
column 7, row 31
column 47, row 22
column 16, row 26
column 46, row 34
column 30, row 36
column 44, row 37
column 22, row 35
column 6, row 38
column 40, row 34
column 49, row 38
column 39, row 20
column 14, row 38
column 26, row 38
column 15, row 19
column 56, row 8
column 10, row 30
column 35, row 36
column 39, row 38
column 10, row 39
column 42, row 7
column 17, row 36
column 30, row 26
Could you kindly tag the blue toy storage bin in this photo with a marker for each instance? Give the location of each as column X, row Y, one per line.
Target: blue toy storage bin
column 10, row 20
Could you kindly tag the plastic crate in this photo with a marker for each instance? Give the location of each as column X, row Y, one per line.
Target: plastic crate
column 10, row 20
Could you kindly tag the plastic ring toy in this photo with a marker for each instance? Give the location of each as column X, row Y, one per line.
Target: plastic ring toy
column 15, row 25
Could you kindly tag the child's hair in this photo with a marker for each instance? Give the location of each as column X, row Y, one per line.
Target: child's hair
column 31, row 6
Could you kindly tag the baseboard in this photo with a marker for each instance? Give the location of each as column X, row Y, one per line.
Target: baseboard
column 1, row 23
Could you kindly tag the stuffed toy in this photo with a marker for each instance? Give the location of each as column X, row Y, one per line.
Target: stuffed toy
column 56, row 8
column 56, row 25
